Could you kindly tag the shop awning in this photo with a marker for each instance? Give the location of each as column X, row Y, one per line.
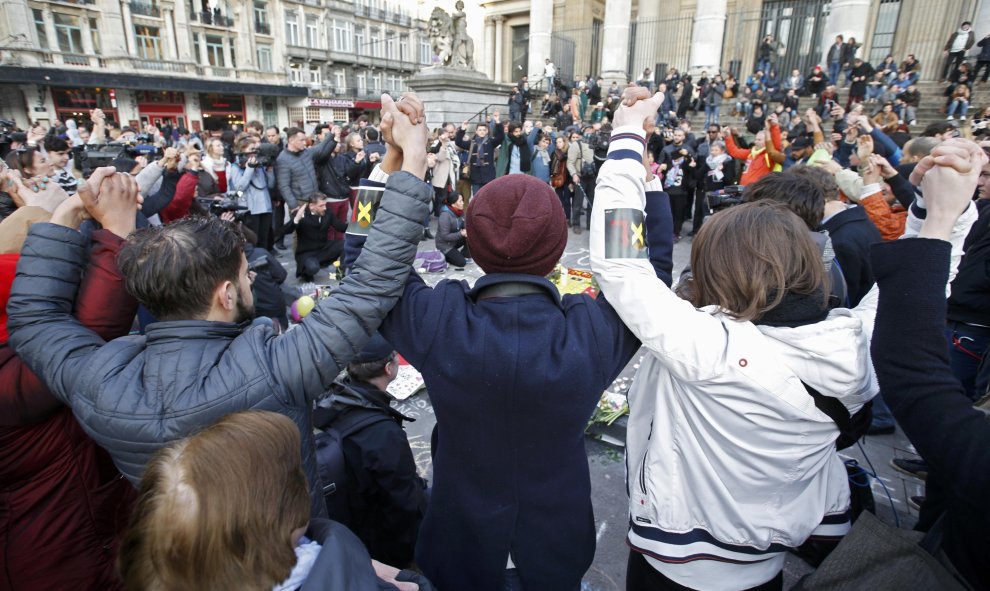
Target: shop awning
column 367, row 104
column 83, row 79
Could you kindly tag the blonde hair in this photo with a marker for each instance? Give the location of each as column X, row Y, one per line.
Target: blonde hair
column 217, row 509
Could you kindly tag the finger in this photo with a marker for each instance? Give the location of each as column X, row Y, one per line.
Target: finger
column 959, row 164
column 920, row 169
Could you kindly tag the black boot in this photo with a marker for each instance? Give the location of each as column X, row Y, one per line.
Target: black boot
column 427, row 235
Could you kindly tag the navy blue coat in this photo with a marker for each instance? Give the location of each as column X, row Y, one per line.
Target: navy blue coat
column 852, row 235
column 513, row 382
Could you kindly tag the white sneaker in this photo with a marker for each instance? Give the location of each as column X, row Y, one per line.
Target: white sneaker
column 914, row 122
column 950, row 118
column 963, row 118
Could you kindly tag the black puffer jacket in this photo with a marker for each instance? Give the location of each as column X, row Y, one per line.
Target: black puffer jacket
column 136, row 394
column 340, row 173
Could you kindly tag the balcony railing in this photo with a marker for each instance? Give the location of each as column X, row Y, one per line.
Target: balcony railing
column 160, row 66
column 145, row 9
column 307, row 53
column 211, row 18
column 262, row 28
column 88, row 2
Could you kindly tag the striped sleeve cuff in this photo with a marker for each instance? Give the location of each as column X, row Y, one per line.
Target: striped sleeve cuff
column 627, row 142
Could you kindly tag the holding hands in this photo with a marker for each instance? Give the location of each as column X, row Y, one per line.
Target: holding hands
column 948, row 178
column 404, row 130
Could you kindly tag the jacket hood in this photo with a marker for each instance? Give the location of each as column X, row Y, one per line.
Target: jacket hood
column 828, row 356
column 348, row 394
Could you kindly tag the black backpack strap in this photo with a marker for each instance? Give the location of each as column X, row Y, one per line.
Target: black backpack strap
column 851, row 427
column 355, row 420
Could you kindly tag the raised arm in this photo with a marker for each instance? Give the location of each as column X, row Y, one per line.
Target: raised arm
column 689, row 341
column 306, row 360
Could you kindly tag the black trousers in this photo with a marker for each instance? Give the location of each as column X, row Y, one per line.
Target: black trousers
column 952, row 63
column 308, row 264
column 680, row 204
column 640, row 576
column 278, row 221
column 985, row 66
column 584, row 199
column 261, row 225
column 700, row 210
column 457, row 257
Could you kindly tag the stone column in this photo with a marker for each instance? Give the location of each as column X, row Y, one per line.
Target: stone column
column 171, row 48
column 847, row 18
column 648, row 15
column 490, row 47
column 706, row 39
column 499, row 46
column 227, row 62
column 203, row 59
column 540, row 40
column 128, row 28
column 50, row 28
column 981, row 24
column 615, row 48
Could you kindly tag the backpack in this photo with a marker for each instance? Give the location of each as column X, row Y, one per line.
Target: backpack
column 587, row 169
column 430, row 261
column 330, row 458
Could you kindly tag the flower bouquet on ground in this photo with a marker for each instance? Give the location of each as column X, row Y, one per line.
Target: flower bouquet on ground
column 611, row 406
column 570, row 280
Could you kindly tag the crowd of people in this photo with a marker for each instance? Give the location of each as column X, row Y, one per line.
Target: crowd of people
column 164, row 425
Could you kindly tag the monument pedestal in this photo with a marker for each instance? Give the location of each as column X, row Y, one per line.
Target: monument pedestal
column 455, row 95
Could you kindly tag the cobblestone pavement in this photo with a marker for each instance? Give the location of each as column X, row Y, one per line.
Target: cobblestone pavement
column 607, row 572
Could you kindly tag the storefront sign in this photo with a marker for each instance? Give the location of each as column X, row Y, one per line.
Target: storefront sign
column 330, row 102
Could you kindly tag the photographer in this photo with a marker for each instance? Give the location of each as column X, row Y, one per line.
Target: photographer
column 253, row 177
column 185, row 190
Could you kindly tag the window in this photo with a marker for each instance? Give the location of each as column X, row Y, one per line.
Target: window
column 291, row 28
column 197, row 50
column 360, row 41
column 343, row 35
column 39, row 27
column 312, row 32
column 341, row 115
column 404, row 48
column 149, row 44
column 261, row 13
column 393, row 83
column 883, row 33
column 340, row 81
column 69, row 33
column 233, row 55
column 265, row 58
column 94, row 32
column 391, row 48
column 376, row 83
column 315, row 75
column 425, row 52
column 295, row 73
column 377, row 42
column 214, row 51
column 362, row 83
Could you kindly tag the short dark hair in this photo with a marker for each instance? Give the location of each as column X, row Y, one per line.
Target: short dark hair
column 514, row 126
column 799, row 193
column 363, row 372
column 830, row 188
column 174, row 269
column 936, row 128
column 292, row 131
column 371, row 134
column 56, row 144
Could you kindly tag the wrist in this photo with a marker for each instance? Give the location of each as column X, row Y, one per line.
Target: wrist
column 121, row 228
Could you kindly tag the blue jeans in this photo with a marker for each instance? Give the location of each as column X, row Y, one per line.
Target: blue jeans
column 745, row 108
column 874, row 92
column 833, row 73
column 711, row 114
column 763, row 65
column 475, row 188
column 961, row 105
column 882, row 417
column 967, row 346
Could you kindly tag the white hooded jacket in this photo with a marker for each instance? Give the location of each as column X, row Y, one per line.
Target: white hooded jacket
column 729, row 461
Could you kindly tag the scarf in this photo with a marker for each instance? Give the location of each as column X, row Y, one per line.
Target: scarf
column 796, row 310
column 713, row 163
column 458, row 211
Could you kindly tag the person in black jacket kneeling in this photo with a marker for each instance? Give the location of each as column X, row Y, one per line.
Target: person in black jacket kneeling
column 313, row 248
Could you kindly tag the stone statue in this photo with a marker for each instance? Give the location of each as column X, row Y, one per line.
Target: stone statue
column 449, row 39
column 462, row 45
column 441, row 31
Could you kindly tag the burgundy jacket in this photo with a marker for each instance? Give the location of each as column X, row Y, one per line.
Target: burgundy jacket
column 63, row 504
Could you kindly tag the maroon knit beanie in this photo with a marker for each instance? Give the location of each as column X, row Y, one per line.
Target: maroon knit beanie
column 516, row 224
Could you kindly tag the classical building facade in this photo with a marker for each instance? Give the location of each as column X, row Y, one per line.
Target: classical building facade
column 618, row 39
column 205, row 64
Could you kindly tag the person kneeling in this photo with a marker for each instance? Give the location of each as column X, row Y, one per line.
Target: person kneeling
column 314, row 249
column 451, row 234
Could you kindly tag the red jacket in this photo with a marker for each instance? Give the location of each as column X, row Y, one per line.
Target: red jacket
column 758, row 164
column 63, row 504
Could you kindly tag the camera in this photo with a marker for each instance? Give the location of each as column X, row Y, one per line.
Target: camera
column 724, row 198
column 229, row 201
column 94, row 156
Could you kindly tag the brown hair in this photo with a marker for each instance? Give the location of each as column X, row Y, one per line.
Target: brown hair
column 217, row 509
column 747, row 258
column 824, row 179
